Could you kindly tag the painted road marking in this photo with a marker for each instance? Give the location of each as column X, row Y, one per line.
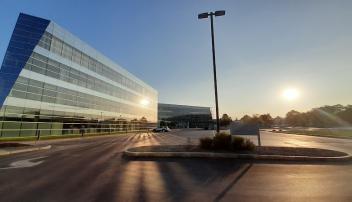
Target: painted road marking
column 25, row 163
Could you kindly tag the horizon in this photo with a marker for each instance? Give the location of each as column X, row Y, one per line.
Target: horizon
column 302, row 46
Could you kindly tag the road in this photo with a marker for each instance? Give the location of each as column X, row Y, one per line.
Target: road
column 93, row 169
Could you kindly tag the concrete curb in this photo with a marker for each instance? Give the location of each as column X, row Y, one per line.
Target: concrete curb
column 234, row 156
column 4, row 152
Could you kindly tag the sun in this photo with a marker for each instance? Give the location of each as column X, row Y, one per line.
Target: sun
column 290, row 94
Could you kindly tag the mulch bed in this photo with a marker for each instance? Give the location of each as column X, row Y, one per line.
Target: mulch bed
column 263, row 150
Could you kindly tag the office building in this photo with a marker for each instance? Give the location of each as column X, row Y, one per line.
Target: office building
column 52, row 83
column 184, row 116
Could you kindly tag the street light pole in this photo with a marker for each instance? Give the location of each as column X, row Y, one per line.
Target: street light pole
column 215, row 78
column 201, row 16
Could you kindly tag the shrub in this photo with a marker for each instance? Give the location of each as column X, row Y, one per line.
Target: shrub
column 237, row 143
column 222, row 141
column 206, row 143
column 241, row 144
column 248, row 145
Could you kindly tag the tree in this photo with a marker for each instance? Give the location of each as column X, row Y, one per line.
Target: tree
column 251, row 120
column 325, row 116
column 256, row 120
column 225, row 120
column 245, row 119
column 346, row 115
column 266, row 120
column 292, row 118
column 278, row 121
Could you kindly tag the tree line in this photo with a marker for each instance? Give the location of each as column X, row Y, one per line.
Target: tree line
column 321, row 117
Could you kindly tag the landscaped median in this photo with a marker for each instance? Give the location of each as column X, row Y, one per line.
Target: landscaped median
column 225, row 146
column 260, row 153
column 15, row 148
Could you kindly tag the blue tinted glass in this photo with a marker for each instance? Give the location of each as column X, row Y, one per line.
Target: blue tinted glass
column 26, row 35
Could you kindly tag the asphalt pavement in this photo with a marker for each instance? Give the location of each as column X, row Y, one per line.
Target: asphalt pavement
column 93, row 169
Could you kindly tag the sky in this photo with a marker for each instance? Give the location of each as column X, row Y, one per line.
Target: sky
column 262, row 48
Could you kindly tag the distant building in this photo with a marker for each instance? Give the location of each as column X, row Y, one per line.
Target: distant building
column 184, row 116
column 52, row 83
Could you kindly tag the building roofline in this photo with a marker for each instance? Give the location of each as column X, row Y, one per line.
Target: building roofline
column 183, row 105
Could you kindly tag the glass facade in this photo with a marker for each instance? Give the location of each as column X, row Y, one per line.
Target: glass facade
column 183, row 116
column 55, row 84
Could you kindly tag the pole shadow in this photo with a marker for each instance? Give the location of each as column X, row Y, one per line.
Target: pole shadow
column 224, row 192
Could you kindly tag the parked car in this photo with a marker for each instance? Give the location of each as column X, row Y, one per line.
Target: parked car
column 162, row 129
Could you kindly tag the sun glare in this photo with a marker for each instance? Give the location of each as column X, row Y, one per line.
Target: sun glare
column 290, row 94
column 145, row 102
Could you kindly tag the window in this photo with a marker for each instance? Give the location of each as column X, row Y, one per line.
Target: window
column 56, row 46
column 35, row 83
column 84, row 60
column 65, row 72
column 20, row 87
column 39, row 63
column 53, row 71
column 49, row 93
column 28, row 128
column 31, row 96
column 28, row 66
column 44, row 128
column 7, row 129
column 23, row 80
column 18, row 94
column 47, row 37
column 48, row 99
column 67, row 51
column 49, row 87
column 44, row 45
column 53, row 63
column 14, row 110
column 38, row 70
column 40, row 57
column 35, row 90
column 92, row 63
column 76, row 56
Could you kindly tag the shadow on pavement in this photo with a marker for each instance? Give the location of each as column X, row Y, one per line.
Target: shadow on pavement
column 241, row 174
column 182, row 179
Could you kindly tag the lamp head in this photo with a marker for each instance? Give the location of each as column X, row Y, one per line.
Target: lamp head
column 203, row 15
column 219, row 13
